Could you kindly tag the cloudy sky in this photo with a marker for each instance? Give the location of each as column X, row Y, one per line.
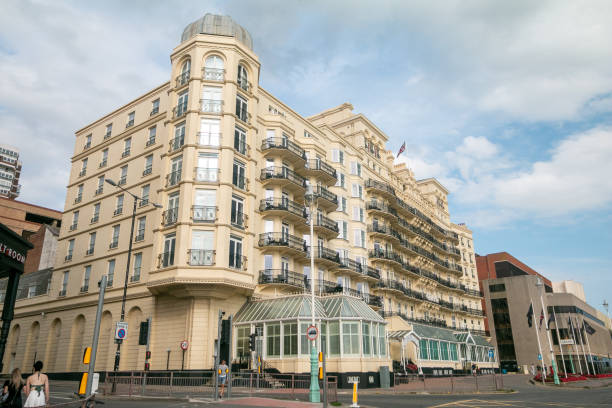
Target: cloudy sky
column 509, row 104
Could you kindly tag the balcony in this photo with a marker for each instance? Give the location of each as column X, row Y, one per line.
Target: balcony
column 472, row 292
column 182, row 79
column 283, row 242
column 387, row 256
column 201, row 257
column 99, row 190
column 284, row 148
column 170, row 217
column 209, row 140
column 72, row 227
column 325, row 226
column 282, row 277
column 89, row 251
column 82, row 172
column 244, row 84
column 214, row 106
column 135, row 278
column 126, row 152
column 176, row 143
column 202, row 213
column 283, row 207
column 103, row 163
column 383, row 231
column 173, row 178
column 87, row 146
column 179, row 110
column 284, row 177
column 107, row 135
column 114, row 244
column 154, row 111
column 150, row 142
column 320, row 169
column 213, row 74
column 326, row 256
column 84, row 288
column 129, row 124
column 118, row 211
column 380, row 188
column 241, row 147
column 122, row 180
column 139, row 237
column 148, row 170
column 207, row 175
column 144, row 201
column 238, row 220
column 78, row 199
column 390, row 285
column 379, row 208
column 327, row 200
column 243, row 116
column 68, row 257
column 165, row 259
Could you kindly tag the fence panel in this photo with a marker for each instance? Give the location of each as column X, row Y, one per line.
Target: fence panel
column 448, row 384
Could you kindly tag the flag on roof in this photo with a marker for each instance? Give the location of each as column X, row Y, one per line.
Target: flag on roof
column 401, row 150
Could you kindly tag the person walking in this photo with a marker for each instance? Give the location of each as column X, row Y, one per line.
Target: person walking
column 223, row 369
column 37, row 388
column 13, row 389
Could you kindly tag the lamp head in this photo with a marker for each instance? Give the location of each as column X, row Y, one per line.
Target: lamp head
column 158, row 205
column 111, row 182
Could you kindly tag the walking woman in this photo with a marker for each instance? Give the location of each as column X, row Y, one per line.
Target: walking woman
column 13, row 388
column 37, row 388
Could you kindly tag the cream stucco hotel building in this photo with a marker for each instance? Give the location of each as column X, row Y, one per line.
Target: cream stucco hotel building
column 234, row 169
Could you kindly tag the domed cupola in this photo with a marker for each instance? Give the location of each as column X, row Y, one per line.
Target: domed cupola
column 217, row 25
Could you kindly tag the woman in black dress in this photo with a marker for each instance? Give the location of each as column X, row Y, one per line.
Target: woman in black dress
column 14, row 385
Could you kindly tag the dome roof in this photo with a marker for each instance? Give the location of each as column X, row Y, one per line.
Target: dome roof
column 217, row 25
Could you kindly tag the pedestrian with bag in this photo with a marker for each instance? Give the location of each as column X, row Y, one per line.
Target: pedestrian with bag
column 37, row 388
column 13, row 387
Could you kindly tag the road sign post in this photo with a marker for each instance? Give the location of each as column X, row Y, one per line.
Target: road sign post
column 121, row 331
column 184, row 347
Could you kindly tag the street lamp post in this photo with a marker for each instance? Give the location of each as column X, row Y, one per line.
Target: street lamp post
column 127, row 272
column 315, row 395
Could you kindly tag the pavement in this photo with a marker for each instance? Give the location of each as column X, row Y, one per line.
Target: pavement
column 521, row 394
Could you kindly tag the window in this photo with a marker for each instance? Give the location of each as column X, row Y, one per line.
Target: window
column 92, row 244
column 350, row 338
column 358, row 214
column 237, row 215
column 104, row 158
column 242, row 341
column 179, row 137
column 433, row 350
column 202, row 248
column 123, row 175
column 238, row 175
column 109, row 130
column 130, row 121
column 83, row 167
column 423, row 348
column 100, row 188
column 359, row 238
column 241, row 109
column 235, row 252
column 342, row 204
column 87, row 142
column 382, row 340
column 170, row 216
column 64, row 283
column 337, row 156
column 70, row 250
column 210, row 132
column 240, row 140
column 140, row 232
column 119, row 206
column 154, row 107
column 243, row 78
column 340, row 182
column 181, row 105
column 75, row 220
column 144, row 194
column 367, row 339
column 212, row 100
column 208, row 167
column 148, row 165
column 167, row 258
column 111, row 272
column 343, row 228
column 204, row 208
column 137, row 267
column 127, row 146
column 115, row 237
column 334, row 338
column 79, row 195
column 176, row 168
column 213, row 68
column 273, row 340
column 290, row 339
column 357, row 191
column 453, row 352
column 185, row 72
column 356, row 168
column 86, row 277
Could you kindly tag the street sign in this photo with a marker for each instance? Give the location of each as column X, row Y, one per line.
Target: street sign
column 121, row 330
column 565, row 342
column 539, row 356
column 352, row 380
column 490, row 353
column 312, row 332
column 184, row 345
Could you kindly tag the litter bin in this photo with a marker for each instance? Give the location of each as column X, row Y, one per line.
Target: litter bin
column 384, row 377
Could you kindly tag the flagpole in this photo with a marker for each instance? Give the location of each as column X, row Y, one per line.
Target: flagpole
column 535, row 326
column 559, row 338
column 586, row 362
column 552, row 352
column 586, row 335
column 571, row 328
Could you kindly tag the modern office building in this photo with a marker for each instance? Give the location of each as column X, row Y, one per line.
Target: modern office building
column 240, row 175
column 10, row 170
column 519, row 302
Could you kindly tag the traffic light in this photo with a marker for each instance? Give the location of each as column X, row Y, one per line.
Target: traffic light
column 143, row 335
column 147, row 366
column 147, row 354
column 252, row 342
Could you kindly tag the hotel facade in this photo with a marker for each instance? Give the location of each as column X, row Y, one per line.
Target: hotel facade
column 240, row 175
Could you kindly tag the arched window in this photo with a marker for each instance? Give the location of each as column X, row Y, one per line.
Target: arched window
column 185, row 73
column 243, row 79
column 213, row 68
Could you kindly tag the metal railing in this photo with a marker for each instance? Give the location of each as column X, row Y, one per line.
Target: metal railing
column 326, row 222
column 170, row 216
column 281, row 276
column 243, row 115
column 319, row 164
column 179, row 110
column 165, row 259
column 282, row 239
column 207, row 174
column 208, row 139
column 211, row 105
column 324, row 193
column 204, row 213
column 284, row 204
column 445, row 381
column 182, row 79
column 275, row 172
column 173, row 178
column 213, row 74
column 283, row 143
column 201, row 257
column 326, row 253
column 371, row 183
column 176, row 143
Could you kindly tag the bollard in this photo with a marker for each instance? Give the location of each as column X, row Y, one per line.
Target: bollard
column 354, row 404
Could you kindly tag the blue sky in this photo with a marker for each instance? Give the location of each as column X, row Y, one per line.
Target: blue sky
column 509, row 104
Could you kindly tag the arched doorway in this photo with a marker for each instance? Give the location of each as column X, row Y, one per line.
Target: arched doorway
column 76, row 344
column 53, row 341
column 11, row 353
column 104, row 358
column 130, row 355
column 31, row 350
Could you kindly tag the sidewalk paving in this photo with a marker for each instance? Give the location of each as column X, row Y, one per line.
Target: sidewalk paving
column 267, row 402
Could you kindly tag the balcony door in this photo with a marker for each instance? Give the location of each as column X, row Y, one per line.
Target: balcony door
column 169, row 247
column 211, row 99
column 202, row 246
column 208, row 167
column 210, row 132
column 204, row 208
